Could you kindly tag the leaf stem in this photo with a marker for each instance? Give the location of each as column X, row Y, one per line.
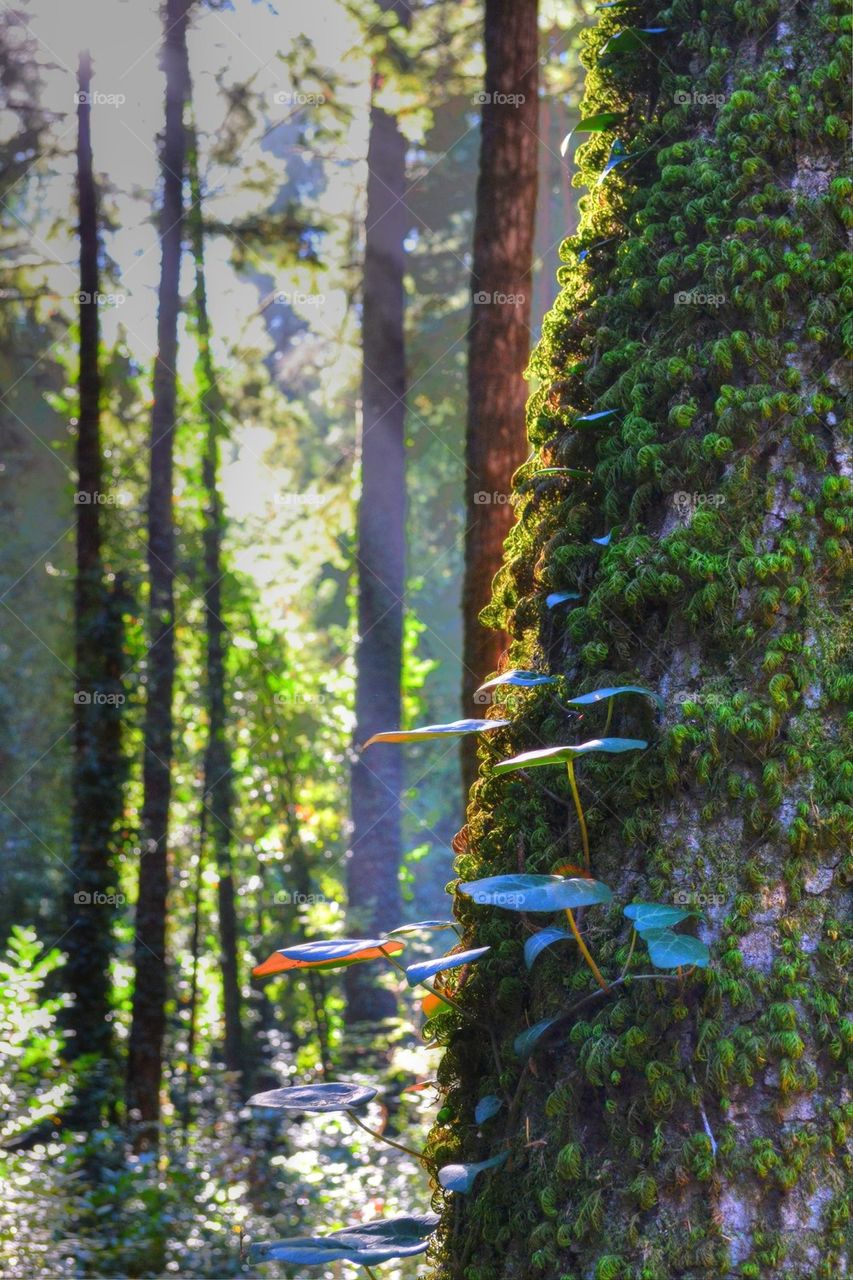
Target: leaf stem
column 609, row 717
column 584, row 949
column 410, row 1151
column 630, row 953
column 369, row 1271
column 570, row 766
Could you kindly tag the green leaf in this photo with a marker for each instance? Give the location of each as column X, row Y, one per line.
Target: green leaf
column 592, row 124
column 487, row 1107
column 428, row 968
column 337, row 1096
column 654, row 915
column 456, row 729
column 523, row 679
column 366, row 1243
column 618, row 155
column 668, row 950
column 539, row 942
column 630, row 40
column 575, row 473
column 524, row 1044
column 536, row 893
column 559, row 755
column 461, row 1177
column 613, row 691
column 421, row 926
column 560, row 597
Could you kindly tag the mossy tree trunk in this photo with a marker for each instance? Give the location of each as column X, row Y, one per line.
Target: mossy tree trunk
column 693, row 1126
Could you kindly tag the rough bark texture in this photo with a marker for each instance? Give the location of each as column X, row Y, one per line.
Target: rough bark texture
column 149, row 990
column 218, row 789
column 377, row 777
column 693, row 1127
column 499, row 337
column 98, row 771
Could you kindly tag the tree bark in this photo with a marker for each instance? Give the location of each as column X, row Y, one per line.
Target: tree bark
column 98, row 772
column 150, row 984
column 685, row 1124
column 377, row 779
column 499, row 336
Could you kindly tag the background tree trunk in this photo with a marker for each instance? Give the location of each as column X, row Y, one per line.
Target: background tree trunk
column 149, row 991
column 377, row 779
column 499, row 337
column 97, row 778
column 692, row 1126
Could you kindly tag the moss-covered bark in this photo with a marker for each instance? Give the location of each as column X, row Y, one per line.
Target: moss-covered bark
column 697, row 1127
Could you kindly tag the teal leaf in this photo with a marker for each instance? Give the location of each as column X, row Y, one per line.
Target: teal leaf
column 618, row 155
column 613, row 691
column 654, row 915
column 366, row 1243
column 524, row 1044
column 560, row 597
column 594, row 419
column 456, row 729
column 338, row 1096
column 630, row 40
column 605, row 541
column 559, row 755
column 461, row 1177
column 536, row 893
column 487, row 1107
column 523, row 679
column 428, row 968
column 421, row 926
column 592, row 124
column 539, row 942
column 668, row 950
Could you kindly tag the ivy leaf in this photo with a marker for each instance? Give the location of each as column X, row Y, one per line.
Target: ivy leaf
column 487, row 1107
column 461, row 1177
column 337, row 1096
column 618, row 155
column 428, row 968
column 421, row 926
column 454, row 730
column 333, row 954
column 560, row 597
column 600, row 695
column 366, row 1243
column 539, row 942
column 594, row 419
column 668, row 950
column 592, row 124
column 523, row 679
column 559, row 755
column 536, row 893
column 630, row 40
column 654, row 915
column 524, row 1044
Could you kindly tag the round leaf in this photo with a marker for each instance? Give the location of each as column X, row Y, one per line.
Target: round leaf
column 601, row 695
column 539, row 942
column 559, row 755
column 487, row 1107
column 368, row 1243
column 428, row 968
column 457, row 729
column 338, row 1096
column 654, row 915
column 461, row 1177
column 668, row 950
column 536, row 893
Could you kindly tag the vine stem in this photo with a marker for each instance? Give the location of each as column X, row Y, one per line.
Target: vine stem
column 410, row 1151
column 369, row 1271
column 609, row 717
column 584, row 949
column 630, row 953
column 570, row 766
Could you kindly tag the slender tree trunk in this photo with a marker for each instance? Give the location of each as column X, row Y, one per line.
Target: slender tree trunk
column 692, row 1126
column 150, row 985
column 97, row 776
column 499, row 337
column 377, row 778
column 218, row 790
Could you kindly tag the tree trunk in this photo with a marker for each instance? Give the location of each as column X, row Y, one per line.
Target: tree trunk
column 377, row 779
column 98, row 773
column 690, row 1124
column 218, row 790
column 149, row 991
column 499, row 337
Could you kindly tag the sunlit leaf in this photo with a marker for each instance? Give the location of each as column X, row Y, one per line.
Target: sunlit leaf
column 367, row 1243
column 461, row 1177
column 487, row 1107
column 420, row 1085
column 592, row 124
column 601, row 695
column 428, row 968
column 432, row 1005
column 574, row 473
column 539, row 942
column 560, row 597
column 559, row 755
column 457, row 729
column 421, row 926
column 668, row 950
column 618, row 155
column 523, row 679
column 337, row 1096
column 535, row 893
column 654, row 915
column 334, row 954
column 524, row 1044
column 630, row 40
